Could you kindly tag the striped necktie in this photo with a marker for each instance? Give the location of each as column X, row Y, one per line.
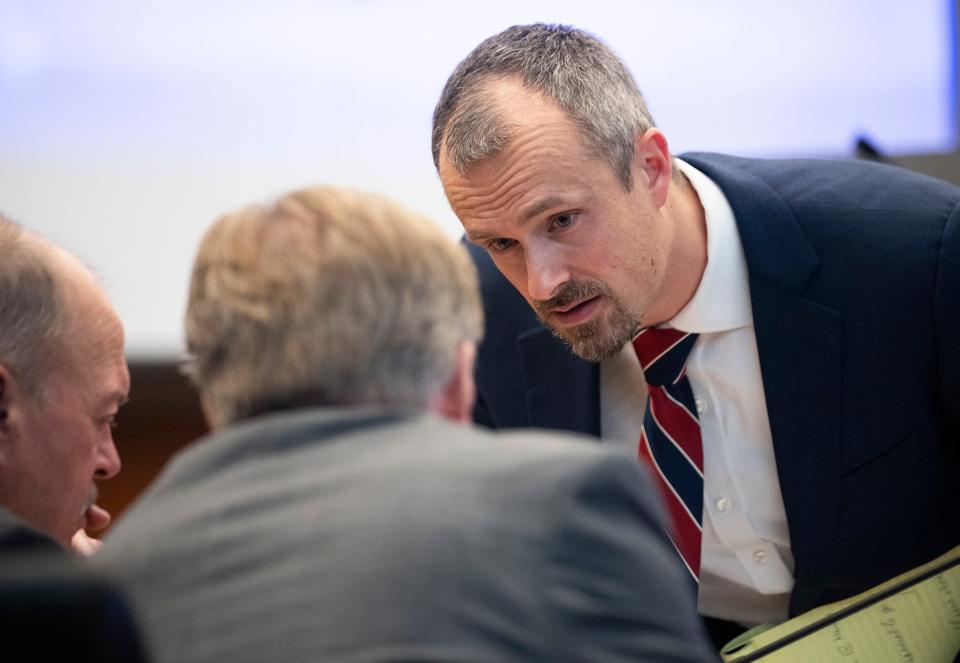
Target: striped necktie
column 670, row 439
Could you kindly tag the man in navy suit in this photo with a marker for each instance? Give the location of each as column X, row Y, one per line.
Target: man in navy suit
column 825, row 297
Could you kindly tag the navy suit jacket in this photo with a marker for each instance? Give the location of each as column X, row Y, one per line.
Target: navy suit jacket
column 854, row 273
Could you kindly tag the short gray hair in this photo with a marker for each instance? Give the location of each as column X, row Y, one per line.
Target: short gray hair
column 33, row 315
column 336, row 295
column 571, row 67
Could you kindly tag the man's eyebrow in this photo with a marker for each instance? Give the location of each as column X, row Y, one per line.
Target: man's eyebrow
column 119, row 398
column 478, row 237
column 539, row 207
column 534, row 209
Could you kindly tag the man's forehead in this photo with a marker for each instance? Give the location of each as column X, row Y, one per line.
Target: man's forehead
column 546, row 145
column 96, row 344
column 529, row 176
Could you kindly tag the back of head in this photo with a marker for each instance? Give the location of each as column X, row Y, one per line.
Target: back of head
column 569, row 66
column 33, row 318
column 327, row 296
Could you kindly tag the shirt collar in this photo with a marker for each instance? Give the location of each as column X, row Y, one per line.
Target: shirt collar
column 722, row 300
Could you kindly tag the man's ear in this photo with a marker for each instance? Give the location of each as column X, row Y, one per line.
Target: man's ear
column 6, row 388
column 14, row 402
column 454, row 399
column 652, row 162
column 10, row 397
column 208, row 412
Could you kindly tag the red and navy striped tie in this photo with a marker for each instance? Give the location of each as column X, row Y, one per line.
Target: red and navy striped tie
column 670, row 439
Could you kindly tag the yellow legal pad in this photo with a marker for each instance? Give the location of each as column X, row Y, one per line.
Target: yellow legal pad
column 913, row 618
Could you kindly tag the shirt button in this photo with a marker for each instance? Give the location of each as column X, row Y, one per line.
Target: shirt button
column 759, row 557
column 701, row 405
column 723, row 504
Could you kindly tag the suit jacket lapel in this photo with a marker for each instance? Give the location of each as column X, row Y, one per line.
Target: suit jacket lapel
column 800, row 348
column 562, row 390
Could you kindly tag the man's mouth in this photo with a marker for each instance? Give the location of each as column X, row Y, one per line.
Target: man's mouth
column 95, row 518
column 575, row 314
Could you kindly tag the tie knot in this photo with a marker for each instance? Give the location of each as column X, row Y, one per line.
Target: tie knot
column 663, row 353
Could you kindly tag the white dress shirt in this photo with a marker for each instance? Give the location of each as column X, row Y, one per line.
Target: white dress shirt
column 746, row 569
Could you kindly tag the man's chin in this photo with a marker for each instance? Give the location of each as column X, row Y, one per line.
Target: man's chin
column 591, row 343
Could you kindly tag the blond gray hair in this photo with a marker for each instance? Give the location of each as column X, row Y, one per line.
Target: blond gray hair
column 569, row 66
column 341, row 295
column 33, row 317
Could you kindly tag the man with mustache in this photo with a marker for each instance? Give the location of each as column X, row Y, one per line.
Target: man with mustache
column 63, row 376
column 810, row 311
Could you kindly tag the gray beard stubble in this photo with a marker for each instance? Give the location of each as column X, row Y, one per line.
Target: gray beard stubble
column 597, row 339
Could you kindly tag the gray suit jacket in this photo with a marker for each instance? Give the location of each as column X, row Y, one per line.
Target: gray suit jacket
column 367, row 535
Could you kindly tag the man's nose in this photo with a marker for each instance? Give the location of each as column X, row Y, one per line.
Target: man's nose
column 109, row 461
column 546, row 272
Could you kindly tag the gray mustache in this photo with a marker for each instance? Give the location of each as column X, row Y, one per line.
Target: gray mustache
column 92, row 497
column 570, row 292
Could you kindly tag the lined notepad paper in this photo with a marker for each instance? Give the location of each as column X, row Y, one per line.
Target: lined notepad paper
column 913, row 618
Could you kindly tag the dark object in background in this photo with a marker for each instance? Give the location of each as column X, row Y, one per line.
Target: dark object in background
column 866, row 150
column 52, row 610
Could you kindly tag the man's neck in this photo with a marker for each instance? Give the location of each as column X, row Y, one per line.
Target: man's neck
column 687, row 258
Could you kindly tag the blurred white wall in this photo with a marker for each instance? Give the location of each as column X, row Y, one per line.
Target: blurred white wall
column 127, row 126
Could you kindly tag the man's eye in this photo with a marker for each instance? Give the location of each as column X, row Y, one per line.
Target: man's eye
column 562, row 220
column 501, row 244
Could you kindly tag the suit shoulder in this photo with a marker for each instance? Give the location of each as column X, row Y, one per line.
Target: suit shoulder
column 523, row 443
column 554, row 461
column 833, row 183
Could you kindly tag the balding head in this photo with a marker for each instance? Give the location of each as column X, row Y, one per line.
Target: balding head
column 32, row 306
